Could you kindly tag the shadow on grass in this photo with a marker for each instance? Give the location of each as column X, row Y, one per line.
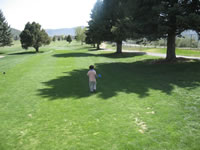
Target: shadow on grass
column 109, row 55
column 136, row 77
column 26, row 53
column 95, row 49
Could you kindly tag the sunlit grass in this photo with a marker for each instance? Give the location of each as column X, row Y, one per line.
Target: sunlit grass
column 45, row 102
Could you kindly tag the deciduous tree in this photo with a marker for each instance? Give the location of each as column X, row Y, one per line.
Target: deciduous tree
column 80, row 34
column 34, row 36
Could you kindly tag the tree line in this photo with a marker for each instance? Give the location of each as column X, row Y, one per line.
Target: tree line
column 32, row 35
column 119, row 20
column 68, row 38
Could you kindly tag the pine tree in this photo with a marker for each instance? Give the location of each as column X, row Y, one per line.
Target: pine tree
column 155, row 19
column 69, row 39
column 5, row 32
column 115, row 19
column 96, row 32
column 54, row 38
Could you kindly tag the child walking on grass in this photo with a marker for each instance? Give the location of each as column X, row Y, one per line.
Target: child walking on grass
column 92, row 78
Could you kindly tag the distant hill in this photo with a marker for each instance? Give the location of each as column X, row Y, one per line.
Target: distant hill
column 189, row 34
column 63, row 31
column 15, row 32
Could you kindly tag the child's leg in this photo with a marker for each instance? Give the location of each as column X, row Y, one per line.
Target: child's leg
column 95, row 86
column 91, row 86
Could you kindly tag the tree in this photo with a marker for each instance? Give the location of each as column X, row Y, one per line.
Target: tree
column 5, row 31
column 69, row 39
column 62, row 37
column 116, row 22
column 80, row 34
column 34, row 36
column 16, row 38
column 54, row 38
column 96, row 29
column 108, row 23
column 163, row 19
column 89, row 38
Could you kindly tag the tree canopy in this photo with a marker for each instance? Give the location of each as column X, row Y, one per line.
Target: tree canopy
column 80, row 34
column 34, row 36
column 69, row 39
column 96, row 31
column 5, row 31
column 149, row 19
column 163, row 19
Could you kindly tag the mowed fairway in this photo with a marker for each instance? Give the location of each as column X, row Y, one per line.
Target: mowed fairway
column 45, row 103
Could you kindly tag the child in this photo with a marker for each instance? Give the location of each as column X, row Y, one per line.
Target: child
column 92, row 78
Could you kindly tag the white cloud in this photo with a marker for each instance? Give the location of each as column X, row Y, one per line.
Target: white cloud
column 49, row 13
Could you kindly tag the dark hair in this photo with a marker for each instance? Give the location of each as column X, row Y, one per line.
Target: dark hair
column 91, row 67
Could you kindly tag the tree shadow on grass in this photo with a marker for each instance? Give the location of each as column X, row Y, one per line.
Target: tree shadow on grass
column 95, row 49
column 109, row 55
column 136, row 77
column 25, row 53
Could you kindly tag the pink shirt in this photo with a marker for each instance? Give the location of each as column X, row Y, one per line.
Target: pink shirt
column 92, row 75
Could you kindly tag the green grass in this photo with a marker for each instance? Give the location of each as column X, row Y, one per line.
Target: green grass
column 45, row 101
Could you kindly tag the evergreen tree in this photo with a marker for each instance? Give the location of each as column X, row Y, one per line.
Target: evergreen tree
column 163, row 19
column 5, row 31
column 108, row 23
column 54, row 38
column 95, row 33
column 116, row 22
column 16, row 38
column 34, row 36
column 69, row 39
column 89, row 38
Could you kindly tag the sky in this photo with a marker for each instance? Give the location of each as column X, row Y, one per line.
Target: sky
column 50, row 14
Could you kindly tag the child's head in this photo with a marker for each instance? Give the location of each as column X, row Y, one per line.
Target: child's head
column 91, row 67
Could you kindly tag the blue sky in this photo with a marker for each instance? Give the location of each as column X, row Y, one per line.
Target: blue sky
column 51, row 14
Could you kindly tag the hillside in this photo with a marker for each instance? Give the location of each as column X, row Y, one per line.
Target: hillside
column 15, row 32
column 63, row 31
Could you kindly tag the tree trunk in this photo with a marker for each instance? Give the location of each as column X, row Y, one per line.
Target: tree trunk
column 119, row 47
column 37, row 49
column 93, row 45
column 98, row 46
column 171, row 55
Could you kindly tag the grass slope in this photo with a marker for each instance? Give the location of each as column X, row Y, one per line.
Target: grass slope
column 45, row 101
